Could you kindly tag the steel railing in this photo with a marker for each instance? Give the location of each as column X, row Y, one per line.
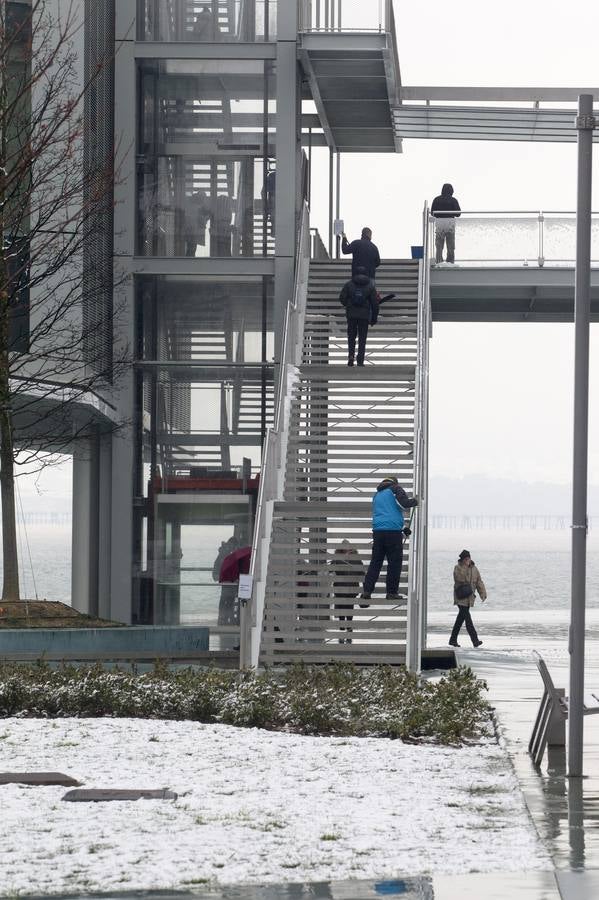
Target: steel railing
column 346, row 15
column 417, row 556
column 275, row 451
column 517, row 238
column 317, row 246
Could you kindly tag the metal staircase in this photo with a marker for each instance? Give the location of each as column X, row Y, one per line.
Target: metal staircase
column 337, row 432
column 348, row 429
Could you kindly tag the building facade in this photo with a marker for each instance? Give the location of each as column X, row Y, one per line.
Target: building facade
column 206, row 124
column 218, row 105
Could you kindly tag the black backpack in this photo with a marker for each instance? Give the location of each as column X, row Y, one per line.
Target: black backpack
column 358, row 296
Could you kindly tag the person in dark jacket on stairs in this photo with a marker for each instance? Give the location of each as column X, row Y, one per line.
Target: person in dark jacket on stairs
column 358, row 296
column 445, row 210
column 388, row 530
column 364, row 253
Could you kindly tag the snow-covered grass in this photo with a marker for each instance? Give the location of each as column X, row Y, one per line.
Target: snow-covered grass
column 254, row 806
column 328, row 700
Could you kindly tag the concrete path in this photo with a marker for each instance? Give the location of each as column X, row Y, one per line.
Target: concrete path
column 565, row 813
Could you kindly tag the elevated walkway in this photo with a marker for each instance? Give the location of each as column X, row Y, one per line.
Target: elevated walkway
column 352, row 72
column 500, row 294
column 512, row 266
column 488, row 113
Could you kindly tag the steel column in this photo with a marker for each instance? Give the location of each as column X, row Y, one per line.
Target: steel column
column 584, row 123
column 338, row 204
column 331, row 152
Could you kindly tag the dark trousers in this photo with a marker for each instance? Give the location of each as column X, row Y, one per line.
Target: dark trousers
column 357, row 328
column 389, row 545
column 220, row 244
column 463, row 618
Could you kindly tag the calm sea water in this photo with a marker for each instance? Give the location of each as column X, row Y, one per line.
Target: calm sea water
column 524, row 570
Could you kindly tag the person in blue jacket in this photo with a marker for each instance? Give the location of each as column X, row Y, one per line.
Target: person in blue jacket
column 388, row 530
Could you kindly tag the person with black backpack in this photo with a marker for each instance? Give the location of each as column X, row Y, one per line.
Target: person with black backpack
column 359, row 298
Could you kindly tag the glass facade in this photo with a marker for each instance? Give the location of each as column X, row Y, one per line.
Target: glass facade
column 205, row 378
column 205, row 186
column 204, row 384
column 207, row 20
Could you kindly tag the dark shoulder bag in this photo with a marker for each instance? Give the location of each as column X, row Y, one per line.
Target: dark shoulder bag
column 463, row 591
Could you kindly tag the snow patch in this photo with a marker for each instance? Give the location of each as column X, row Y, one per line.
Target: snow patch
column 254, row 806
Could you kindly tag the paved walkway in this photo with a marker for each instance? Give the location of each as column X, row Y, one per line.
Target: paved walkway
column 565, row 813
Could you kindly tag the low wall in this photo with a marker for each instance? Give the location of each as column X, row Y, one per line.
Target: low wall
column 138, row 639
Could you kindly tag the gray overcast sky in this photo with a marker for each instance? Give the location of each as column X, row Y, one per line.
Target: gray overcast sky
column 508, row 386
column 501, row 395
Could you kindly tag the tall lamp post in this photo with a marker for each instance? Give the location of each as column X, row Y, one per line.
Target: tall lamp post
column 585, row 123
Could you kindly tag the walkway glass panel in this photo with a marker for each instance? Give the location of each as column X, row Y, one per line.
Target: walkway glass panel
column 346, row 15
column 514, row 238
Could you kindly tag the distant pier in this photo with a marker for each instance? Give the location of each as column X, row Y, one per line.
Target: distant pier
column 530, row 521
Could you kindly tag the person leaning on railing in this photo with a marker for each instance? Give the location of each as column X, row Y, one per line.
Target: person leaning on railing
column 388, row 532
column 445, row 209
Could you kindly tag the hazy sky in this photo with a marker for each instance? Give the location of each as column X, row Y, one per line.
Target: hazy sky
column 501, row 395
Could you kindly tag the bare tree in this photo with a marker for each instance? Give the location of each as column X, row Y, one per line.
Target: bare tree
column 56, row 279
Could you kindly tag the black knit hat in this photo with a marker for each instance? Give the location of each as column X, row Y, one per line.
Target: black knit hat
column 464, row 554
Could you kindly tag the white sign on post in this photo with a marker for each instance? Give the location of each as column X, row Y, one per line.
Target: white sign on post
column 244, row 591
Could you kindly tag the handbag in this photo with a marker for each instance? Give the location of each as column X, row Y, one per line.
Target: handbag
column 463, row 591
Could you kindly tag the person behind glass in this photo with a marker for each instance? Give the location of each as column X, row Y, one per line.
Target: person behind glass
column 220, row 225
column 205, row 26
column 347, row 570
column 388, row 532
column 445, row 210
column 196, row 212
column 364, row 253
column 358, row 296
column 466, row 581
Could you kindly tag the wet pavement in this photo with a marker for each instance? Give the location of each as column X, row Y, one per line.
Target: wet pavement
column 509, row 886
column 565, row 811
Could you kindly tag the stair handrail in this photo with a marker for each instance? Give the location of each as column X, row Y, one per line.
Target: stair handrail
column 275, row 449
column 417, row 557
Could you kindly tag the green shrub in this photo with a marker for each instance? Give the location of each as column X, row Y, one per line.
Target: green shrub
column 338, row 699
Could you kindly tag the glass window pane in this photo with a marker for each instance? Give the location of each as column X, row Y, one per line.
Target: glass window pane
column 206, row 379
column 207, row 318
column 207, row 20
column 204, row 186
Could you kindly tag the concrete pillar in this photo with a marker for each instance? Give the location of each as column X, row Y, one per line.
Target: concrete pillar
column 84, row 541
column 122, row 461
column 104, row 522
